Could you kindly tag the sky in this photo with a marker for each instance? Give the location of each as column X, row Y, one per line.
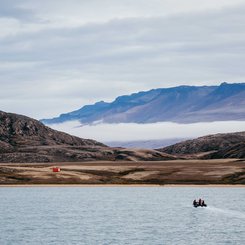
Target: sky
column 56, row 56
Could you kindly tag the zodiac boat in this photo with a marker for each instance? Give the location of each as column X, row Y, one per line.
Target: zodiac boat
column 197, row 204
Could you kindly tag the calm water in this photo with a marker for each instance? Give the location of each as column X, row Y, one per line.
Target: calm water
column 121, row 215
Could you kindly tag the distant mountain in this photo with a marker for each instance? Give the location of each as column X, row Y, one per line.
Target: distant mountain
column 24, row 140
column 217, row 146
column 145, row 144
column 184, row 104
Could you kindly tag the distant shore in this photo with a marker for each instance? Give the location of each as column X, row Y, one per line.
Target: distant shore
column 123, row 185
column 175, row 173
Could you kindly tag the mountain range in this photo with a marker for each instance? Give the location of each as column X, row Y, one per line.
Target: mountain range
column 183, row 104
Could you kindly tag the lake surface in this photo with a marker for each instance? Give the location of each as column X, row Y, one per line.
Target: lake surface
column 121, row 215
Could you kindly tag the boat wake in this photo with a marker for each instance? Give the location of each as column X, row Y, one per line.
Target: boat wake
column 227, row 212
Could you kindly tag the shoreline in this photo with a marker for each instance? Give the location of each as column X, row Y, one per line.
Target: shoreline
column 186, row 173
column 126, row 185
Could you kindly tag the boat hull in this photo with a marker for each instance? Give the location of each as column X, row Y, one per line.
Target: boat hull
column 197, row 205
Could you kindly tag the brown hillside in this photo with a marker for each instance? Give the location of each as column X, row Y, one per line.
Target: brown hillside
column 230, row 145
column 23, row 139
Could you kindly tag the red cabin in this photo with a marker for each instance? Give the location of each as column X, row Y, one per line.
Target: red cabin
column 56, row 169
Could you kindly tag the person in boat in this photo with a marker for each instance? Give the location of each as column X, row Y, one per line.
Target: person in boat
column 203, row 203
column 200, row 202
column 194, row 202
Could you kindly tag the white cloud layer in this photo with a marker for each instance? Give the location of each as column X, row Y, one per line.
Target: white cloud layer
column 152, row 131
column 56, row 56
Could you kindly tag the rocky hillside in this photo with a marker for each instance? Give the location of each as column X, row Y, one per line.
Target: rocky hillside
column 233, row 151
column 230, row 145
column 19, row 131
column 23, row 139
column 185, row 104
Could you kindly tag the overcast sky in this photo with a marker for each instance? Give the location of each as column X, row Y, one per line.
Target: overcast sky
column 56, row 56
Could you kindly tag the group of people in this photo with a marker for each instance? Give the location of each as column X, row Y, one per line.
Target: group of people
column 199, row 203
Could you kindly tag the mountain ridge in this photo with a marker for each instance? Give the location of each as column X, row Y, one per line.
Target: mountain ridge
column 182, row 104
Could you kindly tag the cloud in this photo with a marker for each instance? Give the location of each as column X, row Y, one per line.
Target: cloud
column 78, row 12
column 13, row 9
column 151, row 131
column 70, row 53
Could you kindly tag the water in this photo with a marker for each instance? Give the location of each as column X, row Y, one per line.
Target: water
column 121, row 215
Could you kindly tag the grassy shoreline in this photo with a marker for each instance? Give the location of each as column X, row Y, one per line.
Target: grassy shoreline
column 124, row 185
column 229, row 172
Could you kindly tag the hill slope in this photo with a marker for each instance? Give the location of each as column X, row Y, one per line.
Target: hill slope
column 184, row 104
column 230, row 145
column 23, row 139
column 18, row 131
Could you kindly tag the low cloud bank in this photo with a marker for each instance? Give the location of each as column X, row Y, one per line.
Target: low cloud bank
column 151, row 131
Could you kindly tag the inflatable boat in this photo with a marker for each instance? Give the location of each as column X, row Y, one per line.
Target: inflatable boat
column 198, row 205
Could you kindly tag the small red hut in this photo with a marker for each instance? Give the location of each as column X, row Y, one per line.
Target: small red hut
column 56, row 169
